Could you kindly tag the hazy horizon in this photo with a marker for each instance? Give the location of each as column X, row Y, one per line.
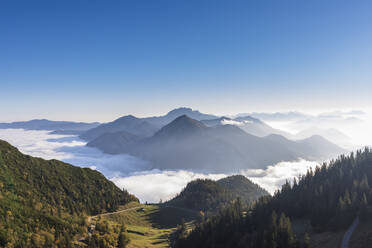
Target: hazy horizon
column 142, row 114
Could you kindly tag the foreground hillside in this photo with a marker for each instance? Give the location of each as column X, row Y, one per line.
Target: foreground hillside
column 323, row 201
column 208, row 195
column 45, row 202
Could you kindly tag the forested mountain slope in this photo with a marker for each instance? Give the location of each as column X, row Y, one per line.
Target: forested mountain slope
column 242, row 187
column 329, row 198
column 45, row 201
column 208, row 195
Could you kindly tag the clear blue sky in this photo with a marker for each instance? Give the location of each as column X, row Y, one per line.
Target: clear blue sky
column 96, row 60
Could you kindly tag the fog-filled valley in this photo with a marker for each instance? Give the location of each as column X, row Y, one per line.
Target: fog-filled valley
column 152, row 183
column 134, row 174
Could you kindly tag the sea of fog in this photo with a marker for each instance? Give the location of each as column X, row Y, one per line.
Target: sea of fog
column 133, row 174
column 358, row 127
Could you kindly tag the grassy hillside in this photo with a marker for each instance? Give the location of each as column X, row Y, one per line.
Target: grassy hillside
column 151, row 227
column 44, row 202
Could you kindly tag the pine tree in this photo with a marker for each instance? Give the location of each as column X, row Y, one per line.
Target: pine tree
column 123, row 239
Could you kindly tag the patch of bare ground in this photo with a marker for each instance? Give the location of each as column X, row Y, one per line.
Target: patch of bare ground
column 326, row 239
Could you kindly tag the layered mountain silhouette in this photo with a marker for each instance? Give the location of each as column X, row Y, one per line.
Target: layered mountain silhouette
column 161, row 121
column 146, row 127
column 62, row 127
column 115, row 143
column 330, row 134
column 186, row 143
column 247, row 123
column 129, row 124
column 142, row 127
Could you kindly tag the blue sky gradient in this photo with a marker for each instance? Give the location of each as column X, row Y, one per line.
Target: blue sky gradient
column 97, row 60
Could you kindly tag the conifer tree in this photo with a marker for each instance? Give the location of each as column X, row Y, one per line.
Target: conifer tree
column 123, row 239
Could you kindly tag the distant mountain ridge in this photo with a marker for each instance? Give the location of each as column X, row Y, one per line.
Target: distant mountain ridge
column 161, row 121
column 247, row 123
column 142, row 127
column 130, row 124
column 114, row 143
column 278, row 116
column 44, row 124
column 330, row 134
column 186, row 143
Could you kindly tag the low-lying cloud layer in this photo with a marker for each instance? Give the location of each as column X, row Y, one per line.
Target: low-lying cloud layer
column 71, row 149
column 274, row 176
column 134, row 174
column 355, row 124
column 156, row 185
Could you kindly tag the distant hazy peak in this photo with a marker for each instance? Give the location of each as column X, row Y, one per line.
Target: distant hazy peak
column 196, row 114
column 248, row 118
column 316, row 138
column 275, row 136
column 127, row 117
column 184, row 121
column 181, row 125
column 181, row 110
column 224, row 118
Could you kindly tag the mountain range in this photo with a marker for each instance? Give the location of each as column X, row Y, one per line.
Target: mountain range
column 59, row 127
column 249, row 124
column 142, row 127
column 186, row 143
column 198, row 141
column 130, row 124
column 146, row 127
column 161, row 121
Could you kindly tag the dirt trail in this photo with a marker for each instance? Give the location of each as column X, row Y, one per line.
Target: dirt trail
column 90, row 218
column 349, row 233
